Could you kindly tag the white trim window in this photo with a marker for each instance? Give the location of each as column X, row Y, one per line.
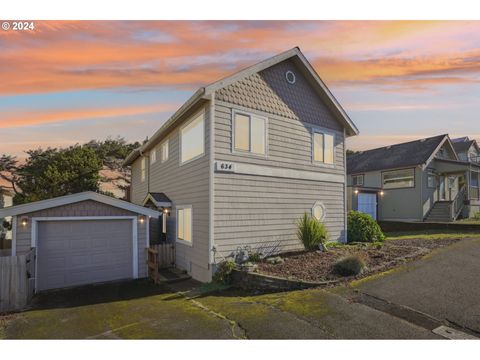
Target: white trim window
column 143, row 169
column 431, row 179
column 249, row 133
column 164, row 151
column 153, row 156
column 184, row 224
column 398, row 179
column 357, row 180
column 323, row 147
column 193, row 138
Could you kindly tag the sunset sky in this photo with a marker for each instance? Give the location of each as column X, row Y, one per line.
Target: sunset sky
column 68, row 82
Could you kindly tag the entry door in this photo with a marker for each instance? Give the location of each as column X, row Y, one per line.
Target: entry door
column 442, row 189
column 367, row 203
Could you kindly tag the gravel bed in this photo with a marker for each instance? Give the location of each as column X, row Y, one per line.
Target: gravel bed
column 317, row 266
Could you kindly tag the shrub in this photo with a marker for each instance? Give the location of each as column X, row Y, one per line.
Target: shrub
column 349, row 265
column 362, row 228
column 255, row 257
column 311, row 232
column 224, row 272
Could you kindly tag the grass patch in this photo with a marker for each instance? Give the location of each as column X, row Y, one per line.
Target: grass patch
column 469, row 221
column 431, row 234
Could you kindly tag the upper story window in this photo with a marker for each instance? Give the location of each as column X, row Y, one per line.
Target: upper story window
column 357, row 180
column 164, row 151
column 249, row 133
column 193, row 138
column 323, row 147
column 184, row 223
column 143, row 169
column 153, row 155
column 431, row 179
column 399, row 179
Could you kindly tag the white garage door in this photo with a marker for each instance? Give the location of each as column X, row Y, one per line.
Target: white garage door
column 367, row 203
column 79, row 252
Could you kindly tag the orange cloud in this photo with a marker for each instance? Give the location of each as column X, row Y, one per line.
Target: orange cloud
column 28, row 118
column 68, row 55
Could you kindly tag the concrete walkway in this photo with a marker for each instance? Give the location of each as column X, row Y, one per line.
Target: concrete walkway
column 444, row 286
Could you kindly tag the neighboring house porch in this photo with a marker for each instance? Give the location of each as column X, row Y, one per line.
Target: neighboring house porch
column 423, row 180
column 457, row 192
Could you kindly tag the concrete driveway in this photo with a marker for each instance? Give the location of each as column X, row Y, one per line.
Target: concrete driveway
column 139, row 310
column 445, row 286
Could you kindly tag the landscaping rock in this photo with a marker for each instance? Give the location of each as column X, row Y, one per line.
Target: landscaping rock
column 275, row 260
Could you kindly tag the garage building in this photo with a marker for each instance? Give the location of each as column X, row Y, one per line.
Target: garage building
column 81, row 239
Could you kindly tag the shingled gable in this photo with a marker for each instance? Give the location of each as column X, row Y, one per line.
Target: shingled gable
column 412, row 153
column 205, row 93
column 464, row 146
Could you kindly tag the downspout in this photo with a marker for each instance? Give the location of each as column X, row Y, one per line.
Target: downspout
column 211, row 184
column 421, row 191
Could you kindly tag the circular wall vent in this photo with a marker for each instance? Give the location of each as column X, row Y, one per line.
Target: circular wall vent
column 290, row 76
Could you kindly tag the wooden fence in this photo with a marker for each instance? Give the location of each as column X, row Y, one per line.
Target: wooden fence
column 165, row 254
column 16, row 281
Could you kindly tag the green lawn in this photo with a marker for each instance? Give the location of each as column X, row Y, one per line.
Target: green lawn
column 469, row 221
column 431, row 234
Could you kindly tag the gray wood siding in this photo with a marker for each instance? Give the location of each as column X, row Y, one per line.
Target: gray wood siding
column 261, row 211
column 268, row 91
column 186, row 184
column 289, row 142
column 139, row 188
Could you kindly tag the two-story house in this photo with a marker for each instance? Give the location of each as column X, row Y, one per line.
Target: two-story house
column 429, row 179
column 242, row 160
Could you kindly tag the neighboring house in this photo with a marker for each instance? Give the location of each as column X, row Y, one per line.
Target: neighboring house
column 244, row 158
column 81, row 239
column 6, row 199
column 422, row 180
column 467, row 150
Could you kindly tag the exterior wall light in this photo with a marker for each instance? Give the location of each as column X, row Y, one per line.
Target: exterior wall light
column 141, row 219
column 24, row 221
column 356, row 191
column 382, row 193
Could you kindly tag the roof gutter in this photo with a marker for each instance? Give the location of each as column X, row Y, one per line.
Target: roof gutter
column 160, row 132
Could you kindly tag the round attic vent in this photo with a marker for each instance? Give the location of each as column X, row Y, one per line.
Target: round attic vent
column 290, row 76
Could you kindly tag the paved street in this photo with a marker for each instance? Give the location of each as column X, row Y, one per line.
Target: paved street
column 445, row 285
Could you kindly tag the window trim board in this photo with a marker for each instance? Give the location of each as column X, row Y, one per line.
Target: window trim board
column 177, row 239
column 245, row 152
column 403, row 187
column 189, row 121
column 323, row 131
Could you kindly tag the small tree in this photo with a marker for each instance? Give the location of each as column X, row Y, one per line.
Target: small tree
column 311, row 232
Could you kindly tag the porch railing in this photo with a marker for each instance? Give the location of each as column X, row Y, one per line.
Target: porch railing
column 458, row 202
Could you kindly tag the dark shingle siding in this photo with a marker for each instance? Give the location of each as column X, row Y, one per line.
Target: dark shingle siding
column 462, row 146
column 407, row 154
column 268, row 91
